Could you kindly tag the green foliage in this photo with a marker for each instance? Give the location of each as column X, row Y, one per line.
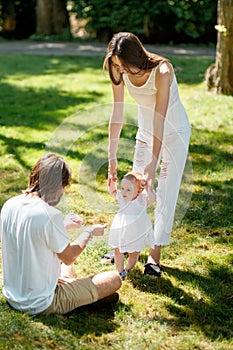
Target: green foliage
column 161, row 21
column 157, row 21
column 64, row 36
column 194, row 17
column 191, row 306
column 20, row 12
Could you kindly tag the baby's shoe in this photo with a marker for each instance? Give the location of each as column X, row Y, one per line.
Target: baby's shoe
column 124, row 273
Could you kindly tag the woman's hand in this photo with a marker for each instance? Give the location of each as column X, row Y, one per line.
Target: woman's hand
column 149, row 172
column 112, row 187
column 112, row 171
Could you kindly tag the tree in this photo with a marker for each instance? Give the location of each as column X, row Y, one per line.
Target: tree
column 52, row 18
column 160, row 21
column 219, row 76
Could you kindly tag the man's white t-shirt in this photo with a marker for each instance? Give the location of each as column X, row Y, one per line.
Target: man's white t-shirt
column 32, row 233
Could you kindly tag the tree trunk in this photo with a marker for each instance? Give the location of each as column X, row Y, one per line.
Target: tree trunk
column 219, row 75
column 52, row 17
column 60, row 16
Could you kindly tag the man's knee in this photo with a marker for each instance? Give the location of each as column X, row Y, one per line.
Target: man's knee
column 117, row 279
column 107, row 283
column 112, row 278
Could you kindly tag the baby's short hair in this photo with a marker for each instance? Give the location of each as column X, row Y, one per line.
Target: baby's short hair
column 138, row 178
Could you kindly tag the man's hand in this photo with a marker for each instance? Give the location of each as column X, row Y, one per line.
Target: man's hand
column 72, row 251
column 72, row 221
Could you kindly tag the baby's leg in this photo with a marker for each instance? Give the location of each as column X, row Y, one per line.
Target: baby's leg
column 119, row 260
column 132, row 260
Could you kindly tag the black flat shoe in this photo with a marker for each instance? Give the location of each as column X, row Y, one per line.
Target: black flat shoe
column 153, row 270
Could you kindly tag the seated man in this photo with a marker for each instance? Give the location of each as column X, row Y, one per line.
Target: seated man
column 35, row 243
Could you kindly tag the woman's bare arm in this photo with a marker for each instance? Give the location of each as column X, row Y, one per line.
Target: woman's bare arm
column 163, row 79
column 115, row 126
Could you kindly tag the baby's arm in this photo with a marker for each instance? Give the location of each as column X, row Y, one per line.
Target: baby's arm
column 112, row 188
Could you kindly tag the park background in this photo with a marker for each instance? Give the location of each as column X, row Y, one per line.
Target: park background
column 62, row 103
column 169, row 21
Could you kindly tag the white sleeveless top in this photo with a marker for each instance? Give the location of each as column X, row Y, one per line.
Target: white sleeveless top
column 176, row 118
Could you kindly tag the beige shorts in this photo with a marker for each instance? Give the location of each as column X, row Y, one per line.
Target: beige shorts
column 69, row 296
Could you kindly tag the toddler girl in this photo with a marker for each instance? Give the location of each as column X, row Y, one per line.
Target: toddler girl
column 131, row 230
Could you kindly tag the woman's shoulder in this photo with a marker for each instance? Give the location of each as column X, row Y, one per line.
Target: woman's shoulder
column 164, row 67
column 164, row 72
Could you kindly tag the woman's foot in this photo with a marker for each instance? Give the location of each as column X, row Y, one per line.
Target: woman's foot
column 153, row 270
column 108, row 258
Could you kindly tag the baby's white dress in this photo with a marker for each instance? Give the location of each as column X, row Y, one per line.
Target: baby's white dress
column 131, row 229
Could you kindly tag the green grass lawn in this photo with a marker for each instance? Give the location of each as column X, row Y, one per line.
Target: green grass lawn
column 62, row 104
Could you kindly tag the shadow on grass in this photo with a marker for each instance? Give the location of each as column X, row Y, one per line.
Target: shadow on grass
column 86, row 320
column 206, row 149
column 29, row 111
column 11, row 145
column 189, row 70
column 209, row 310
column 39, row 65
column 211, row 212
column 212, row 202
column 41, row 109
column 89, row 319
column 18, row 330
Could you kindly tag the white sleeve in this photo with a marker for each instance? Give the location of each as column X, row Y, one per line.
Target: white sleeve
column 142, row 198
column 56, row 235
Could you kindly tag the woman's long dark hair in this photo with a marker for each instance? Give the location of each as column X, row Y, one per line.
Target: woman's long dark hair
column 131, row 52
column 48, row 177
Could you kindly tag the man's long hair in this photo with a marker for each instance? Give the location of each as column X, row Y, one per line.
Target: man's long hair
column 49, row 176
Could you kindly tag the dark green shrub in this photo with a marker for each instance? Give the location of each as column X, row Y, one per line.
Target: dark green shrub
column 21, row 14
column 161, row 21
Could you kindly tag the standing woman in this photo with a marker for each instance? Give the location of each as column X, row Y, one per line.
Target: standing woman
column 163, row 128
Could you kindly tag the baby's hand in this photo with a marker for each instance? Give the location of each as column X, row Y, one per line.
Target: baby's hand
column 144, row 183
column 112, row 187
column 150, row 192
column 72, row 221
column 98, row 229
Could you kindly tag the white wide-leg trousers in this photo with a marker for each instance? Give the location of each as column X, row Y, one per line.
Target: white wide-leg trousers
column 173, row 157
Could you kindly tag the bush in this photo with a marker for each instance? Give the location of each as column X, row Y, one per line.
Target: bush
column 161, row 21
column 17, row 18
